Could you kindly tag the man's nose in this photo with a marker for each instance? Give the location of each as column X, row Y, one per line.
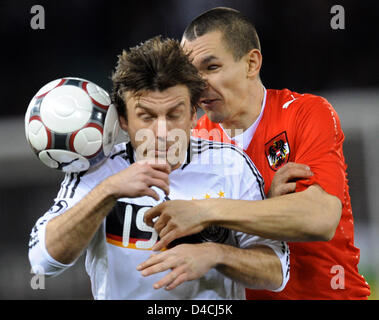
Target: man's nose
column 161, row 129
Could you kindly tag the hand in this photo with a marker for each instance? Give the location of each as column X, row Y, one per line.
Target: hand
column 137, row 180
column 177, row 218
column 284, row 180
column 187, row 262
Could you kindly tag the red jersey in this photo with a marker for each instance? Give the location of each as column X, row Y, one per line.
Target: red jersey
column 304, row 128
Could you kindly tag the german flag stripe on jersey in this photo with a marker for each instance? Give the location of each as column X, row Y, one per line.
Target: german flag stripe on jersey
column 117, row 241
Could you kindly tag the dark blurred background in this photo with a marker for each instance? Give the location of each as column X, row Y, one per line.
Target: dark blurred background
column 83, row 38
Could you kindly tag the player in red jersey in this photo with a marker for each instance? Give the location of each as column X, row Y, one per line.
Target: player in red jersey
column 279, row 127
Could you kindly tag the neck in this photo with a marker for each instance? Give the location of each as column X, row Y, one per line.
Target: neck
column 247, row 113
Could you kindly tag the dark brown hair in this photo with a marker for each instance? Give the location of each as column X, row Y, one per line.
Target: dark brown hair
column 156, row 64
column 238, row 33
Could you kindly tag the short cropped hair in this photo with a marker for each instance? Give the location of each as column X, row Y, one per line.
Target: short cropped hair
column 238, row 33
column 155, row 65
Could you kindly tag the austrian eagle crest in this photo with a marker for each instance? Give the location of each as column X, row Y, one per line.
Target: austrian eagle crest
column 277, row 151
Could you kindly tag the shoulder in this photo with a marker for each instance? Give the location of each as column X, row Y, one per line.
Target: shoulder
column 79, row 183
column 287, row 100
column 202, row 147
column 299, row 106
column 120, row 151
column 316, row 110
column 117, row 160
column 311, row 117
column 230, row 163
column 313, row 102
column 212, row 153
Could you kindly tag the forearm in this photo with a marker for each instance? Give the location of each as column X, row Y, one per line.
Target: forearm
column 68, row 234
column 311, row 215
column 257, row 268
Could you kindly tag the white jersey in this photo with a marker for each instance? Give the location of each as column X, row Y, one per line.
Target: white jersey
column 212, row 170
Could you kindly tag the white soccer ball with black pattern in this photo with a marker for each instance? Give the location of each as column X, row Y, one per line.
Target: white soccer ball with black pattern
column 71, row 124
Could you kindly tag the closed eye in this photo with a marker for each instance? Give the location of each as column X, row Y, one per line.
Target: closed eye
column 173, row 115
column 212, row 67
column 145, row 116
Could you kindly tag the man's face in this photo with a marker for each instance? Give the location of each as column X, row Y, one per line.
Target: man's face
column 225, row 96
column 159, row 124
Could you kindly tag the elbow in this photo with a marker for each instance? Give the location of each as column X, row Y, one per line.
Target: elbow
column 323, row 234
column 333, row 217
column 321, row 231
column 325, row 228
column 43, row 268
column 40, row 270
column 328, row 232
column 276, row 284
column 42, row 264
column 273, row 282
column 274, row 272
column 270, row 284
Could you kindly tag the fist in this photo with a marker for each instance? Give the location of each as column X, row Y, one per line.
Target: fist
column 285, row 178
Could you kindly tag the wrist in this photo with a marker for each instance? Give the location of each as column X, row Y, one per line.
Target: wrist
column 210, row 211
column 217, row 252
column 108, row 189
column 101, row 200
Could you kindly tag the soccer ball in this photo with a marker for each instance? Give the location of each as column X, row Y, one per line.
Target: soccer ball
column 71, row 124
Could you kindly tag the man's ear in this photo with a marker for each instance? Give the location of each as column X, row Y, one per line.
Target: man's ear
column 123, row 123
column 254, row 63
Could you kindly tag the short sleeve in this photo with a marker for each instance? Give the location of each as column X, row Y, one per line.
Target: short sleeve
column 280, row 248
column 318, row 144
column 72, row 190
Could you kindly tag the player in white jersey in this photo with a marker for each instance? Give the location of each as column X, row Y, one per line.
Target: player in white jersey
column 102, row 210
column 124, row 240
